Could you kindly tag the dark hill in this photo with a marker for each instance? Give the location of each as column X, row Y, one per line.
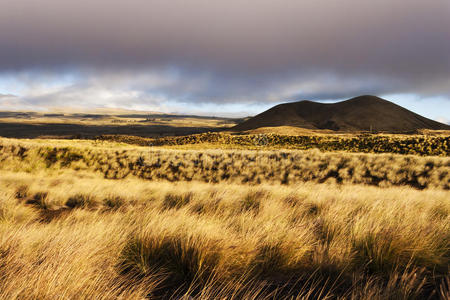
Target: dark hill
column 362, row 113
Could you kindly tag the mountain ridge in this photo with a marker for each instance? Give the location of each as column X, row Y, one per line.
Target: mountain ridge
column 362, row 113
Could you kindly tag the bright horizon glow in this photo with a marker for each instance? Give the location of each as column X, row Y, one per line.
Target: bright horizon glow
column 20, row 88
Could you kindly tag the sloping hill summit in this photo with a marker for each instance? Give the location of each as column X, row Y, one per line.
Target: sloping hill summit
column 363, row 113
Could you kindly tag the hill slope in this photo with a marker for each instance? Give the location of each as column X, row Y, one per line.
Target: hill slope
column 362, row 113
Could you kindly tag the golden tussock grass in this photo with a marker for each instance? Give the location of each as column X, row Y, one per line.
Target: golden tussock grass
column 169, row 226
column 78, row 236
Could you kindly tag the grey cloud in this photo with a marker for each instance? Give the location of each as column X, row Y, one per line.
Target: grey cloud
column 7, row 96
column 228, row 51
column 12, row 102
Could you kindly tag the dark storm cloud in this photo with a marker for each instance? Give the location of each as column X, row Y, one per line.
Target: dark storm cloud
column 236, row 50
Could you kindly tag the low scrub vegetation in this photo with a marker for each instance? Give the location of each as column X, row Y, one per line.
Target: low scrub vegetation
column 232, row 166
column 78, row 235
column 369, row 143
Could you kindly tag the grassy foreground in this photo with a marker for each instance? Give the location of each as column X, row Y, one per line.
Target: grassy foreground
column 68, row 231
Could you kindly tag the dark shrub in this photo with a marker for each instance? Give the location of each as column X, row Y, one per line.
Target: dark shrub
column 81, row 201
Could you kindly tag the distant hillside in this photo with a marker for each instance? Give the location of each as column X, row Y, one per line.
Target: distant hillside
column 363, row 113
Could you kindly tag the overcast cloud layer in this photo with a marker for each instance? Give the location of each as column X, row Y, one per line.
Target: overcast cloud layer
column 163, row 54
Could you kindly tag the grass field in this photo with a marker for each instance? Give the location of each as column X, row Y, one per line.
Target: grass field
column 106, row 220
column 285, row 167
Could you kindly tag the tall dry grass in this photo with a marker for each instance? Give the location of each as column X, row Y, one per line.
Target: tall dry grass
column 67, row 234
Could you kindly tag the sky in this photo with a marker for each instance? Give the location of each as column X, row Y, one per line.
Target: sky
column 223, row 58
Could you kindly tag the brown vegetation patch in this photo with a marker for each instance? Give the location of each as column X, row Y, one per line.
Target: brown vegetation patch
column 48, row 215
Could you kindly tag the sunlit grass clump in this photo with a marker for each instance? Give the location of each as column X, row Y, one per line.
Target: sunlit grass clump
column 90, row 237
